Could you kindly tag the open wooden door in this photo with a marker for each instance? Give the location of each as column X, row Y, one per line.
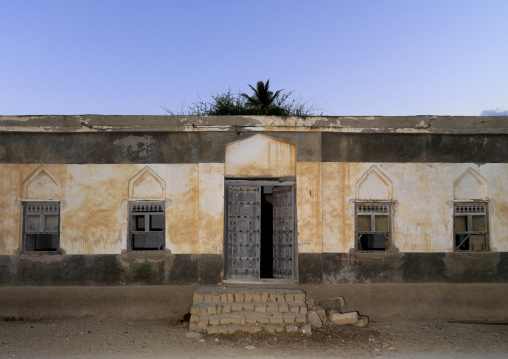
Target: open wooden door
column 283, row 232
column 243, row 231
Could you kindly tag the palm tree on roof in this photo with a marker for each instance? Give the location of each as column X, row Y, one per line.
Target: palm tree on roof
column 262, row 98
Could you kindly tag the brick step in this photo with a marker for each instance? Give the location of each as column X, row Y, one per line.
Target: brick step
column 253, row 328
column 247, row 295
column 203, row 322
column 260, row 307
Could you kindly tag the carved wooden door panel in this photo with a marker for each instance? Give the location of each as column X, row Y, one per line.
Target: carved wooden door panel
column 244, row 231
column 283, row 232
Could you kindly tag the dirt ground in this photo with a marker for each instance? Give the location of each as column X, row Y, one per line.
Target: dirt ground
column 96, row 338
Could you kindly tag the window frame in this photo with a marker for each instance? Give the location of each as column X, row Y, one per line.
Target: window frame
column 476, row 208
column 136, row 210
column 52, row 208
column 386, row 211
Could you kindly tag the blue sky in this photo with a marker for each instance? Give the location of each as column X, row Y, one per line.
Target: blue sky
column 127, row 57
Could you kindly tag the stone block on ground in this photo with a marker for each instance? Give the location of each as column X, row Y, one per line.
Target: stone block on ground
column 251, row 329
column 193, row 335
column 361, row 322
column 332, row 303
column 212, row 330
column 314, row 319
column 310, row 303
column 307, row 329
column 273, row 329
column 321, row 312
column 291, row 328
column 346, row 318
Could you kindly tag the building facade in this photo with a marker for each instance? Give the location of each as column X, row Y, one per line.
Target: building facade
column 179, row 200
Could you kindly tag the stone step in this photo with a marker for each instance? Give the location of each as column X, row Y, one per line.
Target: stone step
column 202, row 322
column 260, row 307
column 227, row 310
column 247, row 295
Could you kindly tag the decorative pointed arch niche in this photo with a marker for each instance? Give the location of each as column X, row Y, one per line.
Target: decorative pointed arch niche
column 374, row 185
column 470, row 185
column 147, row 184
column 41, row 184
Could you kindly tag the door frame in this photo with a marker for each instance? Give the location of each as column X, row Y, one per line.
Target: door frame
column 286, row 181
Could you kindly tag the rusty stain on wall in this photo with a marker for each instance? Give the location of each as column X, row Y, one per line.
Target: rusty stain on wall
column 211, row 208
column 309, row 206
column 147, row 185
column 10, row 215
column 94, row 205
column 338, row 216
column 182, row 214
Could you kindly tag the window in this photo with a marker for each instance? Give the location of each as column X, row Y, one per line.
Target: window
column 147, row 225
column 470, row 227
column 373, row 229
column 41, row 226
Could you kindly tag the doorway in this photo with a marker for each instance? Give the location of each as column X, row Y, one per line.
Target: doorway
column 260, row 219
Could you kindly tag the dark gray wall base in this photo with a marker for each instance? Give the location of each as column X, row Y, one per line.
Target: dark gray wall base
column 310, row 268
column 210, row 268
column 415, row 268
column 133, row 268
column 162, row 268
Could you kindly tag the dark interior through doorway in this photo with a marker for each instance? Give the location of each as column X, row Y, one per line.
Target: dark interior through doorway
column 266, row 257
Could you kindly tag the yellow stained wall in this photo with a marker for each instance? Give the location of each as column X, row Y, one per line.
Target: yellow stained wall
column 94, row 205
column 309, row 205
column 211, row 208
column 423, row 197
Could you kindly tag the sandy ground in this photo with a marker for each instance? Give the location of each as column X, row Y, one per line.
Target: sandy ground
column 94, row 338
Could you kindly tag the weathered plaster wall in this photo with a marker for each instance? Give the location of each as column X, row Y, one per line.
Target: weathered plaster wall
column 10, row 221
column 309, row 207
column 211, row 208
column 94, row 205
column 260, row 156
column 423, row 195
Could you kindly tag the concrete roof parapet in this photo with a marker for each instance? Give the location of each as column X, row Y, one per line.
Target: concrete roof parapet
column 372, row 124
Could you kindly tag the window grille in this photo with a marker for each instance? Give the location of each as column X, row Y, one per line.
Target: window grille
column 470, row 225
column 147, row 225
column 41, row 226
column 373, row 227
